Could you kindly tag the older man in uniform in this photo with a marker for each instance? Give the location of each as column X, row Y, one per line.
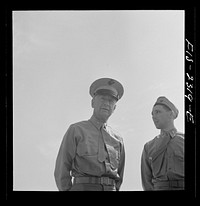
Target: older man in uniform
column 91, row 156
column 162, row 163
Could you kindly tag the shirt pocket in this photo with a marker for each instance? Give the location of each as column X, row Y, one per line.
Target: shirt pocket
column 179, row 161
column 87, row 148
column 114, row 155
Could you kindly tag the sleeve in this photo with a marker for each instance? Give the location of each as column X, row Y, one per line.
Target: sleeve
column 121, row 166
column 64, row 160
column 146, row 172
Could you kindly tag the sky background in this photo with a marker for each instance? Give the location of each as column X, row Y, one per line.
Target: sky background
column 56, row 57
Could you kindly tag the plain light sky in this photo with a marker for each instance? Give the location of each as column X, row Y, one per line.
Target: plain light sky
column 56, row 57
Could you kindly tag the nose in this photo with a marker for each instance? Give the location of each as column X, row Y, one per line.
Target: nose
column 106, row 102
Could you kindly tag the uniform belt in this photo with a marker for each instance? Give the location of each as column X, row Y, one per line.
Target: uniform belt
column 95, row 180
column 172, row 183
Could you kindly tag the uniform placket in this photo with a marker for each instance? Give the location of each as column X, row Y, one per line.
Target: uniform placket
column 169, row 162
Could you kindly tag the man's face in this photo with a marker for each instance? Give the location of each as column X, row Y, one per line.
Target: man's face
column 103, row 105
column 161, row 117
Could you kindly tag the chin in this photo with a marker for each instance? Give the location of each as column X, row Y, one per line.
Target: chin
column 105, row 117
column 158, row 127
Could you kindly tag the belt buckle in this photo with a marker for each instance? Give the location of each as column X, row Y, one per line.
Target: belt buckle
column 104, row 180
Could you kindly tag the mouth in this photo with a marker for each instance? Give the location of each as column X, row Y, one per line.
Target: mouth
column 105, row 109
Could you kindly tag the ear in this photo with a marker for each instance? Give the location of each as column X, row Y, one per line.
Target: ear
column 172, row 115
column 92, row 102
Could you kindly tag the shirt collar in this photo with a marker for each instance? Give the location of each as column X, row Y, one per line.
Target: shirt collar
column 172, row 132
column 96, row 123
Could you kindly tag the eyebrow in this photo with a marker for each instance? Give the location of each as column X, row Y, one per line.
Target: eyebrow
column 107, row 97
column 156, row 110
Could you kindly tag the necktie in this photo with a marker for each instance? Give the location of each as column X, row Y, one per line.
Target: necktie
column 101, row 153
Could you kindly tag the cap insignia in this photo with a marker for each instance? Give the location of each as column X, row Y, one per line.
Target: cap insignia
column 111, row 81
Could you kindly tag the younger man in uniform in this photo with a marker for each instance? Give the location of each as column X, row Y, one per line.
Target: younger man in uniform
column 162, row 163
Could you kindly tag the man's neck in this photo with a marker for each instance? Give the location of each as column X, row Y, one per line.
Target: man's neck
column 101, row 120
column 169, row 128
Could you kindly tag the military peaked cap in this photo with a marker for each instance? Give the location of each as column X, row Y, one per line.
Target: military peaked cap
column 107, row 86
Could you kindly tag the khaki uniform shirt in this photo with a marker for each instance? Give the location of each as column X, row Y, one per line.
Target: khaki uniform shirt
column 84, row 151
column 163, row 159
